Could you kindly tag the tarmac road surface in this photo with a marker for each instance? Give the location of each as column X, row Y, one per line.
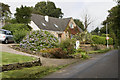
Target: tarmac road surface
column 102, row 66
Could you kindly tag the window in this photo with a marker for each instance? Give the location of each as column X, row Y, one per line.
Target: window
column 43, row 24
column 56, row 25
column 9, row 33
column 71, row 25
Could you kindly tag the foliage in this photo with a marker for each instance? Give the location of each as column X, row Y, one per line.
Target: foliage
column 101, row 40
column 47, row 8
column 68, row 46
column 84, row 55
column 104, row 35
column 13, row 21
column 79, row 23
column 95, row 32
column 59, row 53
column 38, row 40
column 79, row 50
column 23, row 14
column 113, row 23
column 5, row 12
column 33, row 72
column 84, row 37
column 99, row 51
column 9, row 58
column 19, row 31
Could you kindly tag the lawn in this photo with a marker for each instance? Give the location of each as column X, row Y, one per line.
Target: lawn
column 9, row 58
column 33, row 72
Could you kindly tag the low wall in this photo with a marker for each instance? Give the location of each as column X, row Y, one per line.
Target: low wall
column 88, row 47
column 20, row 65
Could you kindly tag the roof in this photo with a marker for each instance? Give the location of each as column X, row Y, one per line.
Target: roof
column 54, row 24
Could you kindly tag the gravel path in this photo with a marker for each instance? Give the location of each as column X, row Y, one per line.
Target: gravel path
column 45, row 61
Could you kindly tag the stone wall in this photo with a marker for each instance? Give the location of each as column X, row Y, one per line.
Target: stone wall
column 88, row 47
column 20, row 65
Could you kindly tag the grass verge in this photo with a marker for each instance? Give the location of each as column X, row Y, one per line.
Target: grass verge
column 9, row 58
column 33, row 72
column 99, row 51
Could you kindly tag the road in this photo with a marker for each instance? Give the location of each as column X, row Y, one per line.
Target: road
column 102, row 66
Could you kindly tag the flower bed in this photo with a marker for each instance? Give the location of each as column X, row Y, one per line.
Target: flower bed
column 38, row 40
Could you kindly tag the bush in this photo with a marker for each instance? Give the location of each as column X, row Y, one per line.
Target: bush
column 84, row 37
column 59, row 53
column 38, row 40
column 84, row 55
column 79, row 50
column 68, row 46
column 101, row 40
column 19, row 31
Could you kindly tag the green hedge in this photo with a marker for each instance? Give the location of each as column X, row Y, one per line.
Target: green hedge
column 19, row 31
column 101, row 40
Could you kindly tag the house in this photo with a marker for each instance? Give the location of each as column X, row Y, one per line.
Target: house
column 61, row 28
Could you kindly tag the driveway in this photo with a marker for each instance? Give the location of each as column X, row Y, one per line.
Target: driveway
column 45, row 61
column 102, row 66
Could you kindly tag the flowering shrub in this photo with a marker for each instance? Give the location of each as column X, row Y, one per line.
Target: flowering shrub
column 68, row 45
column 38, row 40
column 59, row 53
column 84, row 37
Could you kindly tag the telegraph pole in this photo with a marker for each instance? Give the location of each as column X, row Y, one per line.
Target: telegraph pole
column 107, row 36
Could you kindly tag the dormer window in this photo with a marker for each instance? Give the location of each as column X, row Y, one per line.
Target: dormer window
column 71, row 25
column 56, row 25
column 43, row 24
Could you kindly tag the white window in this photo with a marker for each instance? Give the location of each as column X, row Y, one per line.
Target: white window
column 43, row 24
column 71, row 25
column 56, row 25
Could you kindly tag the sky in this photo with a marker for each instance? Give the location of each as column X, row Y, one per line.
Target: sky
column 96, row 9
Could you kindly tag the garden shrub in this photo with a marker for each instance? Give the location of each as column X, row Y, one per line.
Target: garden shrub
column 19, row 31
column 59, row 53
column 68, row 45
column 84, row 37
column 79, row 50
column 84, row 55
column 101, row 40
column 38, row 40
column 104, row 35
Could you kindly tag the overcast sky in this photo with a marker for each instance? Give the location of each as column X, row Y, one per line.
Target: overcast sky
column 96, row 9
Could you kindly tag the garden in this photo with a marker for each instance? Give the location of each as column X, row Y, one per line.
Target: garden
column 42, row 43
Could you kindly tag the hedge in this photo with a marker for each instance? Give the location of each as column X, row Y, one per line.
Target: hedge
column 101, row 40
column 19, row 31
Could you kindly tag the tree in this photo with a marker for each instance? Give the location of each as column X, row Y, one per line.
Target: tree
column 87, row 21
column 5, row 13
column 23, row 14
column 47, row 8
column 79, row 23
column 96, row 31
column 113, row 23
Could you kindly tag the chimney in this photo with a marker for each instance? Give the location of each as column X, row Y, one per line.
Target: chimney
column 46, row 18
